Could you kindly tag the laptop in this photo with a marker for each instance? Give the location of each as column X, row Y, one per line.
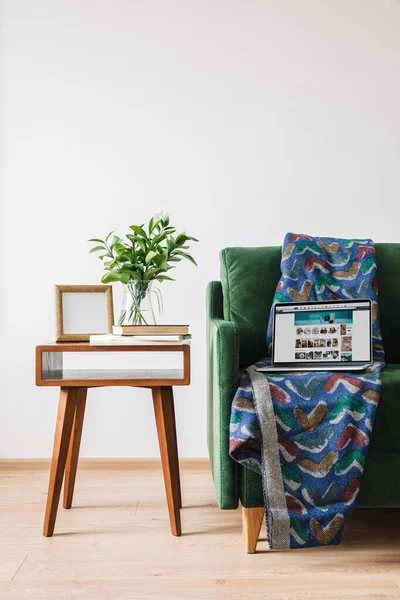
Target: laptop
column 322, row 336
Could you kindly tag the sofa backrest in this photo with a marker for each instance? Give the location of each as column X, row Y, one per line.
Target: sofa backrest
column 249, row 277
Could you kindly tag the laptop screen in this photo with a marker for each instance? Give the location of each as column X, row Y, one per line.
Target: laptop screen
column 322, row 332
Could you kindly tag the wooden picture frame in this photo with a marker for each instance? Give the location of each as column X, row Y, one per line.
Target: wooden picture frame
column 70, row 336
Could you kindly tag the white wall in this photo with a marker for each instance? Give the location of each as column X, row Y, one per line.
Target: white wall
column 243, row 119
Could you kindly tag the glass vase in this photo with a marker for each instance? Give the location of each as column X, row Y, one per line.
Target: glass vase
column 137, row 306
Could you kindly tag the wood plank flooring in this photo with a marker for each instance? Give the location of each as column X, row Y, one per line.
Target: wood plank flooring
column 115, row 543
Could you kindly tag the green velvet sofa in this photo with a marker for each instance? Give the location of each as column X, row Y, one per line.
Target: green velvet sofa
column 238, row 308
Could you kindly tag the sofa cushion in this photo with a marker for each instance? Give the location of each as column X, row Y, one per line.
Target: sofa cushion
column 249, row 277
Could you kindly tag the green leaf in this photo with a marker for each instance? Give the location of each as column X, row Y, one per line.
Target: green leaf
column 96, row 249
column 158, row 238
column 111, row 232
column 182, row 238
column 137, row 275
column 150, row 256
column 115, row 276
column 118, row 247
column 123, row 277
column 155, row 220
column 160, row 260
column 142, row 244
column 96, row 240
column 109, row 277
column 171, row 244
column 158, row 220
column 164, row 278
column 116, row 240
column 139, row 230
column 150, row 273
column 185, row 255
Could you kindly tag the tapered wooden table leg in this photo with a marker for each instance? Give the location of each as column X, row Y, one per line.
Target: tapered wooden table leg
column 165, row 420
column 65, row 418
column 74, row 446
column 167, row 393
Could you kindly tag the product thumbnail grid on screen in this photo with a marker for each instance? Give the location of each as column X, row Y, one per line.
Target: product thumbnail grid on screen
column 337, row 333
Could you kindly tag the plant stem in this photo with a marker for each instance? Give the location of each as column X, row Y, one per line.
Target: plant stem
column 135, row 316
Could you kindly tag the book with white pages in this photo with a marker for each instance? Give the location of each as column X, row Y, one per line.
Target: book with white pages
column 150, row 329
column 109, row 339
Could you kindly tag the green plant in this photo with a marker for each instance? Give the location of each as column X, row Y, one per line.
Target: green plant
column 145, row 255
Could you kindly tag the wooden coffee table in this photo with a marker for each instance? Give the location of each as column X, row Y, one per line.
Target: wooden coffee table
column 74, row 384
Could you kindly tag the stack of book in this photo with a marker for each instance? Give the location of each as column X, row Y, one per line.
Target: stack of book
column 144, row 334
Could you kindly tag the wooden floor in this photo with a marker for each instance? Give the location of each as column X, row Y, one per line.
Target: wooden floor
column 115, row 543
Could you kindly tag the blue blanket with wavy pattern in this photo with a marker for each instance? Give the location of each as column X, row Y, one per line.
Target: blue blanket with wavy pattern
column 308, row 433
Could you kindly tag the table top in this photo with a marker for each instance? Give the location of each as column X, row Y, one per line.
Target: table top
column 51, row 372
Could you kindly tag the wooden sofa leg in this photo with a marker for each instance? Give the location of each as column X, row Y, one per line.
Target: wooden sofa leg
column 252, row 519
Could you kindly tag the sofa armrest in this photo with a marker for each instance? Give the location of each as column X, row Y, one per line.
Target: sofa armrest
column 222, row 380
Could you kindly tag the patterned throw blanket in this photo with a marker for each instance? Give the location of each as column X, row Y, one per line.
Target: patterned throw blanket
column 308, row 433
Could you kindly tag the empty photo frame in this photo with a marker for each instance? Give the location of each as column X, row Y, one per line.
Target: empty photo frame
column 82, row 311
